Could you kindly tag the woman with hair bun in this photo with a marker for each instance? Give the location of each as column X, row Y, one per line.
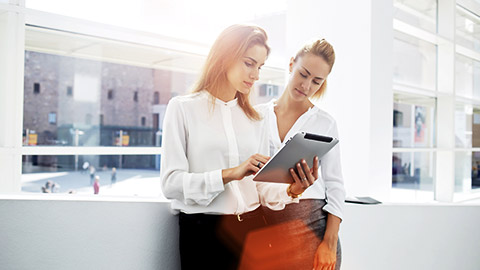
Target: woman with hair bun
column 315, row 199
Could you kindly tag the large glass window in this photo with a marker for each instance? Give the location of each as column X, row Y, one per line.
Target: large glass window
column 413, row 122
column 465, row 171
column 413, row 127
column 413, row 171
column 467, row 174
column 422, row 14
column 414, row 62
column 467, row 28
column 463, row 125
column 467, row 77
column 83, row 91
column 467, row 160
column 104, row 93
column 475, row 170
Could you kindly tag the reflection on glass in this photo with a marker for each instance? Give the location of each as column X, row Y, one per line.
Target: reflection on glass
column 413, row 122
column 78, row 102
column 422, row 14
column 414, row 62
column 465, row 171
column 475, row 170
column 467, row 28
column 476, row 128
column 463, row 125
column 467, row 77
column 125, row 175
column 413, row 170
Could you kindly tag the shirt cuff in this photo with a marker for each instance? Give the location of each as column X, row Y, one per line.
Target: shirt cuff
column 285, row 198
column 215, row 181
column 331, row 210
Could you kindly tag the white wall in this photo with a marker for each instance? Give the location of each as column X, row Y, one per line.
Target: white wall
column 359, row 93
column 411, row 237
column 45, row 234
column 65, row 234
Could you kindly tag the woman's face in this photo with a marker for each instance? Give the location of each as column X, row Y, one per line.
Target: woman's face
column 244, row 72
column 307, row 74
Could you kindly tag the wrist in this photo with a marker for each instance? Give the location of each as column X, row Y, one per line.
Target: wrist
column 227, row 175
column 296, row 189
column 330, row 240
column 291, row 193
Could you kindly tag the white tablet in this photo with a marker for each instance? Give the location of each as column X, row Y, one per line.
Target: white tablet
column 301, row 146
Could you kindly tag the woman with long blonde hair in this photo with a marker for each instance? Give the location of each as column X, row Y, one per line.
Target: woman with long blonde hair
column 318, row 199
column 210, row 143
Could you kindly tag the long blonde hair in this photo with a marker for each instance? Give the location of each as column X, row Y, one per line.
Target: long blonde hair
column 321, row 48
column 230, row 46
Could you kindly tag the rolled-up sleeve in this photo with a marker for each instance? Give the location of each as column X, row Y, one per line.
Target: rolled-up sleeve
column 332, row 175
column 274, row 196
column 176, row 180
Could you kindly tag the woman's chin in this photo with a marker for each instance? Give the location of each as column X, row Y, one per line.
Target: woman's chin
column 244, row 91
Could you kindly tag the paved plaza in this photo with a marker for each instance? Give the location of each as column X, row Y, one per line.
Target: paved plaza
column 130, row 182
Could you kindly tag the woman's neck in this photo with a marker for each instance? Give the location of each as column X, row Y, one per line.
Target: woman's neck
column 225, row 93
column 286, row 104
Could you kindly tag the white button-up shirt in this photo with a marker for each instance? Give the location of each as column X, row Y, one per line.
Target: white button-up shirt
column 330, row 184
column 199, row 140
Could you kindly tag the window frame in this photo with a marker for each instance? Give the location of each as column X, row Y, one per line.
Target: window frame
column 24, row 19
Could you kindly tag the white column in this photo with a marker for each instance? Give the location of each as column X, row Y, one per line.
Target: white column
column 12, row 34
column 359, row 94
column 445, row 159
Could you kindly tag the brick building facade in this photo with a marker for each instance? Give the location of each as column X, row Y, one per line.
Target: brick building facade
column 71, row 101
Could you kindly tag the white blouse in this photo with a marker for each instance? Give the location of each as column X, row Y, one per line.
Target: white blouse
column 199, row 140
column 330, row 184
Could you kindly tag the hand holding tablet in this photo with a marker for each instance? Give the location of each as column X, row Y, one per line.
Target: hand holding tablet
column 301, row 146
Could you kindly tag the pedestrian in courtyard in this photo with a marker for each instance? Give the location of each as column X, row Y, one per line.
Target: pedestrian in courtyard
column 92, row 174
column 96, row 185
column 114, row 176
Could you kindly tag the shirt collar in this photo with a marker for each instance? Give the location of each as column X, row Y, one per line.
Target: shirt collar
column 231, row 103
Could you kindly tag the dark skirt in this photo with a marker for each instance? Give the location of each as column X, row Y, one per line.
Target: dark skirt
column 215, row 241
column 290, row 240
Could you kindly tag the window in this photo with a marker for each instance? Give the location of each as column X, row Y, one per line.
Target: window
column 414, row 122
column 156, row 98
column 467, row 106
column 414, row 172
column 414, row 62
column 268, row 90
column 52, row 118
column 467, row 77
column 89, row 81
column 397, row 118
column 36, row 88
column 413, row 158
column 467, row 28
column 413, row 129
column 421, row 14
column 69, row 91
